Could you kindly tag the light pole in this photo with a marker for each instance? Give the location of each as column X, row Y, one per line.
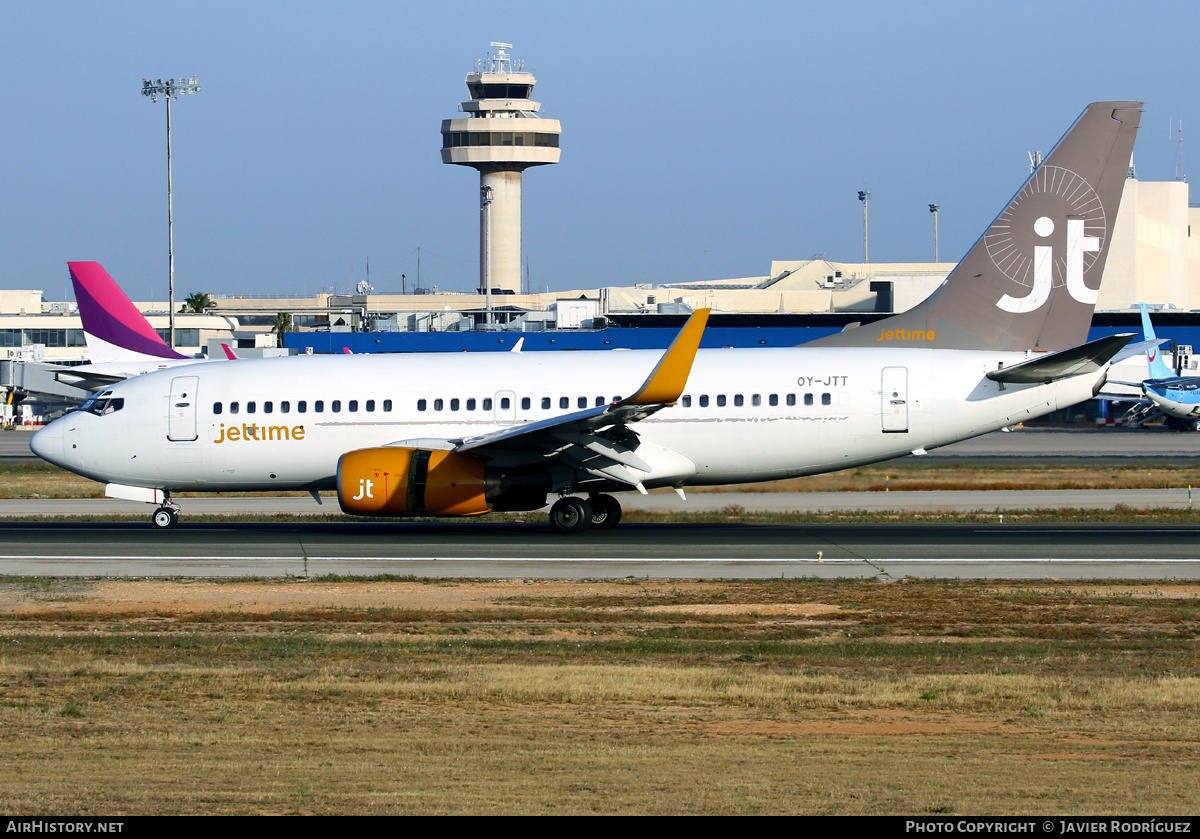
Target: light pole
column 170, row 90
column 485, row 209
column 865, row 198
column 933, row 208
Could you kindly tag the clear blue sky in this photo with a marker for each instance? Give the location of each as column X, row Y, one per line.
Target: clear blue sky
column 699, row 139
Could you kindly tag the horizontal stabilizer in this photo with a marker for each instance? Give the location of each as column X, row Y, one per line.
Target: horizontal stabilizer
column 1087, row 358
column 1130, row 350
column 86, row 380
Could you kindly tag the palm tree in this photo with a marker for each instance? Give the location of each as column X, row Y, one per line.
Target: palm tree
column 197, row 302
column 282, row 324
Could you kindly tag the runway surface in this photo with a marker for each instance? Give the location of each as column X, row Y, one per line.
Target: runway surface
column 661, row 502
column 728, row 551
column 649, row 550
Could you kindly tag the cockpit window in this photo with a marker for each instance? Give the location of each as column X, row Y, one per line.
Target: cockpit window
column 102, row 403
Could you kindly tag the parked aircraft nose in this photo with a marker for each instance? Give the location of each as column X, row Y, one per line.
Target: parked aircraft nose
column 48, row 443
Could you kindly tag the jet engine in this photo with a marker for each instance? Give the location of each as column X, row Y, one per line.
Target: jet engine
column 401, row 481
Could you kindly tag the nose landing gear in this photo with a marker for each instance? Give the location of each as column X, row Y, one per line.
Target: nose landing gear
column 166, row 516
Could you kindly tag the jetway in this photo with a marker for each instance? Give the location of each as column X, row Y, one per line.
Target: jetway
column 32, row 384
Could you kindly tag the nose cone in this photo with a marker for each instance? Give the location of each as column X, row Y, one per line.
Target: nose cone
column 48, row 443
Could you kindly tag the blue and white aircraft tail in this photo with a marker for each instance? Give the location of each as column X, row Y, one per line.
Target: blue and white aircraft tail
column 1158, row 367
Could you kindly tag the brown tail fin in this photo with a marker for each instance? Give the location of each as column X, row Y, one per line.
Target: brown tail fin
column 1030, row 282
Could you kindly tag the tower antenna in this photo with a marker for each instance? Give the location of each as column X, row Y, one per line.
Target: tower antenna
column 1179, row 174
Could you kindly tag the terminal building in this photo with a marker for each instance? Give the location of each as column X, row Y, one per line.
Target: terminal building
column 1154, row 259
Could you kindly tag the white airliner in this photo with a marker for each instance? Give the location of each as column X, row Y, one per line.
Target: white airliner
column 461, row 434
column 121, row 342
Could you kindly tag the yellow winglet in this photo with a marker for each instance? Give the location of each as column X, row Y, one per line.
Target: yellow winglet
column 666, row 382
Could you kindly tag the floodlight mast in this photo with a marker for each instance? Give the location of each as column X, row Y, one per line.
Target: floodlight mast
column 865, row 197
column 170, row 90
column 933, row 208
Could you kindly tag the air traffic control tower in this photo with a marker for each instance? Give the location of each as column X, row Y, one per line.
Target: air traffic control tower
column 501, row 136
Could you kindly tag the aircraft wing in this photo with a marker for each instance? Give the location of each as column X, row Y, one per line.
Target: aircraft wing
column 596, row 439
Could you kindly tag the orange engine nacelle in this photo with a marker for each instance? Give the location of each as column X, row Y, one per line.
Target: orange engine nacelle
column 397, row 481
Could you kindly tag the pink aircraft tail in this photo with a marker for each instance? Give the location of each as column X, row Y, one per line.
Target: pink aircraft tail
column 113, row 327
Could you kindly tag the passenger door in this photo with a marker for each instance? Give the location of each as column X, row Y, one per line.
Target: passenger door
column 181, row 416
column 894, row 397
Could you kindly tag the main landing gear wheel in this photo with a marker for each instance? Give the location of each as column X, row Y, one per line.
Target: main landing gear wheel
column 165, row 518
column 570, row 515
column 606, row 511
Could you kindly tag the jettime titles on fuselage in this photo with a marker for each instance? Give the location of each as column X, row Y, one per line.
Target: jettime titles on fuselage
column 905, row 335
column 252, row 433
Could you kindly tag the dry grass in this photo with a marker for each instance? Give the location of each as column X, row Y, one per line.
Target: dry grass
column 409, row 696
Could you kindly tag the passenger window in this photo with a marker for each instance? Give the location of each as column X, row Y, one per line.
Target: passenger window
column 582, row 402
column 454, row 404
column 720, row 400
column 268, row 407
column 387, row 404
column 599, row 401
column 826, row 399
column 302, row 407
column 545, row 403
column 808, row 400
column 564, row 402
column 336, row 406
column 704, row 400
column 370, row 405
column 285, row 407
column 686, row 401
column 791, row 400
column 525, row 403
column 756, row 400
column 216, row 407
column 487, row 404
column 438, row 404
column 353, row 406
column 505, row 403
column 233, row 407
column 773, row 399
column 738, row 400
column 319, row 406
column 422, row 405
column 250, row 406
